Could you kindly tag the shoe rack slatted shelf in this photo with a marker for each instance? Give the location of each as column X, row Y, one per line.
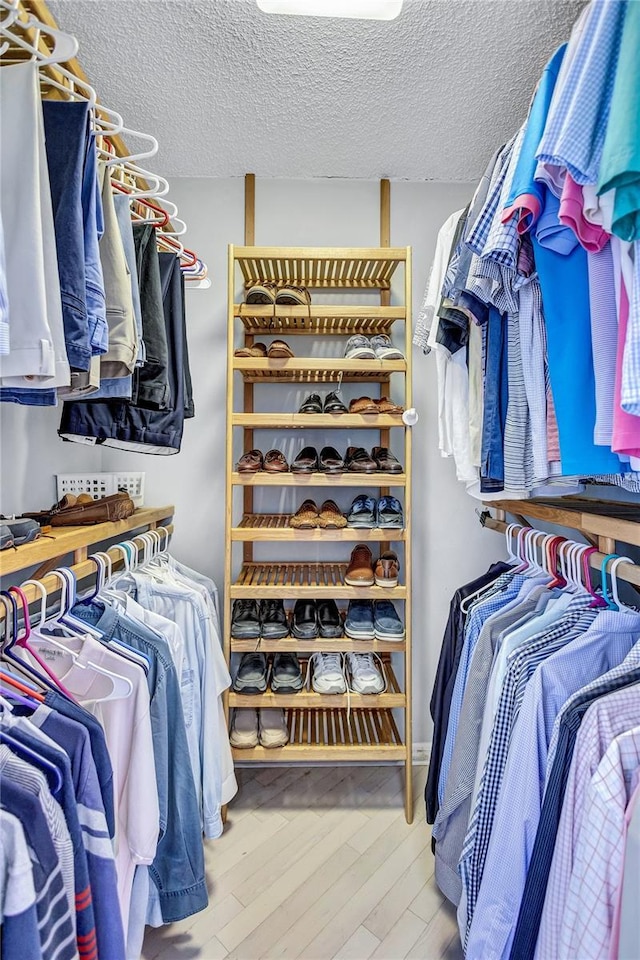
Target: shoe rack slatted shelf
column 329, row 728
column 316, row 369
column 275, row 527
column 334, row 735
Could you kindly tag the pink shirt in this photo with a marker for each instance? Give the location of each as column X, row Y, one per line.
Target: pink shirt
column 591, row 236
column 632, row 806
column 626, row 426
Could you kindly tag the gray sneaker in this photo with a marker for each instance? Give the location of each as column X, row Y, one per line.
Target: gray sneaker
column 252, row 674
column 359, row 348
column 384, row 349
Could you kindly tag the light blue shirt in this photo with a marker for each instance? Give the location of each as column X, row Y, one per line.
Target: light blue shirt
column 603, row 646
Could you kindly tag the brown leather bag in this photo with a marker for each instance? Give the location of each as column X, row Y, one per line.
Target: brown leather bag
column 119, row 506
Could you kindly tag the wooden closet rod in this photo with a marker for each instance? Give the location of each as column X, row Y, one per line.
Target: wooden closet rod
column 625, row 571
column 86, row 568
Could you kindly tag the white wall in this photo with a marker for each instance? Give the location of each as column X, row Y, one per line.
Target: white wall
column 449, row 545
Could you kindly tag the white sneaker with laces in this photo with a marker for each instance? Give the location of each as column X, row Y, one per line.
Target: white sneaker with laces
column 328, row 673
column 366, row 676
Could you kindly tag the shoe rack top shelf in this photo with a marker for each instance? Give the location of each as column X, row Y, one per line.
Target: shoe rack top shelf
column 274, row 526
column 333, row 735
column 290, row 581
column 268, row 421
column 357, row 268
column 316, row 320
column 341, row 645
column 316, row 369
column 264, row 479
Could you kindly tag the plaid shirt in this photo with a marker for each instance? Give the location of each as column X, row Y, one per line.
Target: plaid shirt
column 522, row 664
column 576, row 124
column 600, row 648
column 599, row 860
column 630, row 389
column 605, row 719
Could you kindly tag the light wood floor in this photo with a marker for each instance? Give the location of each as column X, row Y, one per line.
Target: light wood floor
column 318, row 863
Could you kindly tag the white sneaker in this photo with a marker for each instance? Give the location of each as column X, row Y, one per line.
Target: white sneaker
column 366, row 676
column 244, row 728
column 328, row 673
column 273, row 727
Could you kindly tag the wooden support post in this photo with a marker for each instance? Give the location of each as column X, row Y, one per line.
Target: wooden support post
column 606, row 545
column 249, row 241
column 385, row 230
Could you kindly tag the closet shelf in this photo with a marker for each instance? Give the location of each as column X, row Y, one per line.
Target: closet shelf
column 366, row 734
column 275, row 526
column 290, row 581
column 317, row 320
column 61, row 541
column 392, row 697
column 342, row 645
column 358, row 268
column 341, row 421
column 263, row 479
column 316, row 370
column 601, row 518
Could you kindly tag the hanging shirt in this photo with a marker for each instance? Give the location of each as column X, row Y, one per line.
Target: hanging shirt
column 600, row 648
column 587, row 926
column 576, row 124
column 620, row 165
column 604, row 720
column 626, row 931
column 18, row 915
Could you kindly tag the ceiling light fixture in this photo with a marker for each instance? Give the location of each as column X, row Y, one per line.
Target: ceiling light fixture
column 348, row 9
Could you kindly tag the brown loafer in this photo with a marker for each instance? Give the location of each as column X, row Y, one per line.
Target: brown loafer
column 357, row 460
column 250, row 462
column 360, row 570
column 275, row 462
column 363, row 405
column 387, row 569
column 258, row 350
column 279, row 350
column 385, row 405
column 385, row 460
column 306, row 516
column 331, row 517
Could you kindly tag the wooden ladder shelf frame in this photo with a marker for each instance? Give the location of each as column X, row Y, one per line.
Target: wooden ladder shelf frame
column 321, row 728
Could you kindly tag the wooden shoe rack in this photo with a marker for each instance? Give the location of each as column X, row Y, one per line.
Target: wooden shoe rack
column 329, row 728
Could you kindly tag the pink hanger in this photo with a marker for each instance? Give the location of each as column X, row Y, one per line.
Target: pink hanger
column 21, row 641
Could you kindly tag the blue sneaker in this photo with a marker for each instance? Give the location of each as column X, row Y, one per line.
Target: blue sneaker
column 359, row 622
column 389, row 513
column 362, row 512
column 387, row 625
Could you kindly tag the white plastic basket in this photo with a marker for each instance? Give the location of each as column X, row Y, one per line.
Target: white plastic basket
column 102, row 485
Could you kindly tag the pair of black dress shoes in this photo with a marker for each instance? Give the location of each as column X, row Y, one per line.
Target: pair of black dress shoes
column 310, row 461
column 315, row 404
column 316, row 618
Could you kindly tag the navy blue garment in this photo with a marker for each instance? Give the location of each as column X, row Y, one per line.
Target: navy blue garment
column 151, row 381
column 496, row 399
column 444, row 682
column 66, row 127
column 54, row 920
column 61, row 704
column 85, row 919
column 532, row 903
column 178, row 867
column 125, row 424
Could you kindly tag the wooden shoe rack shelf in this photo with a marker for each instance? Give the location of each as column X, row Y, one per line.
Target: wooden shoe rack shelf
column 328, row 728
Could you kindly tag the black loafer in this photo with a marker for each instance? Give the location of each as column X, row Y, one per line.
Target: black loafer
column 333, row 404
column 286, row 675
column 329, row 619
column 306, row 461
column 330, row 461
column 304, row 625
column 311, row 404
column 245, row 622
column 273, row 620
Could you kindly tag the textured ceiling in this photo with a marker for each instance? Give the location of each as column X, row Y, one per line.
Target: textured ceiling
column 226, row 88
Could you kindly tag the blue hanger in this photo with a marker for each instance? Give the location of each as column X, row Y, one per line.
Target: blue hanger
column 603, row 572
column 29, row 754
